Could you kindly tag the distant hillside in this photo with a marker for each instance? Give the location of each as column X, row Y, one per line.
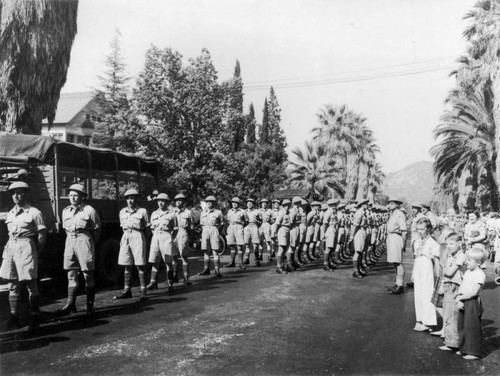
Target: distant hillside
column 415, row 183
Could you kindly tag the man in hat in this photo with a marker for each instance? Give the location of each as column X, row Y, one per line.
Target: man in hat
column 339, row 257
column 163, row 224
column 313, row 230
column 396, row 240
column 211, row 220
column 358, row 235
column 274, row 228
column 295, row 217
column 134, row 221
column 254, row 216
column 330, row 231
column 185, row 223
column 237, row 219
column 283, row 224
column 417, row 214
column 27, row 230
column 153, row 195
column 83, row 229
column 426, row 211
column 265, row 228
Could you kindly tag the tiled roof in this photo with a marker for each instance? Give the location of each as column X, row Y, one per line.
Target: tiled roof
column 70, row 104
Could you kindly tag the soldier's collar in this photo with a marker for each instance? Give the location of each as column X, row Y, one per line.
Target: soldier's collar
column 130, row 210
column 18, row 208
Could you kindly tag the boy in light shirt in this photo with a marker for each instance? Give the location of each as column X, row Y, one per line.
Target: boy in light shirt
column 469, row 305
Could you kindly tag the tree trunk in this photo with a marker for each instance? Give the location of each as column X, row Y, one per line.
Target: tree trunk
column 496, row 116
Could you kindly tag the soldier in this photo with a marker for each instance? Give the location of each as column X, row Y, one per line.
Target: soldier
column 211, row 220
column 396, row 240
column 163, row 224
column 134, row 221
column 426, row 211
column 252, row 232
column 302, row 246
column 320, row 244
column 237, row 219
column 185, row 224
column 295, row 219
column 274, row 228
column 358, row 235
column 265, row 228
column 341, row 233
column 283, row 223
column 83, row 229
column 313, row 230
column 330, row 231
column 20, row 256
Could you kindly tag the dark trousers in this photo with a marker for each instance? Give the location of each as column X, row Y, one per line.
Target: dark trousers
column 469, row 327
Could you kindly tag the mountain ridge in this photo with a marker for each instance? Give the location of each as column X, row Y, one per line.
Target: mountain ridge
column 414, row 182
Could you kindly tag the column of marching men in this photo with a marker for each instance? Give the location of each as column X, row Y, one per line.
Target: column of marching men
column 291, row 232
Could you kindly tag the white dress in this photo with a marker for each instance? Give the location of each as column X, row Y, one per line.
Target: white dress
column 423, row 278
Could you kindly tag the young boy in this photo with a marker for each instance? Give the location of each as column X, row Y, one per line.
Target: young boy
column 469, row 305
column 452, row 275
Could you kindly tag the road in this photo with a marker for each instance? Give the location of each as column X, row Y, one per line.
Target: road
column 257, row 322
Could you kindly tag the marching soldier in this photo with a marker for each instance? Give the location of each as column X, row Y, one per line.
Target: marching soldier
column 134, row 221
column 358, row 234
column 283, row 224
column 20, row 256
column 252, row 232
column 211, row 220
column 163, row 224
column 330, row 231
column 185, row 224
column 265, row 227
column 83, row 229
column 237, row 219
column 396, row 240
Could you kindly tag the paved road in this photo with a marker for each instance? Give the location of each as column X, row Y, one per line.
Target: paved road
column 308, row 322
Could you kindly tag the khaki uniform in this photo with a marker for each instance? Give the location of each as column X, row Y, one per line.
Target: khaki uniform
column 330, row 224
column 312, row 221
column 294, row 227
column 274, row 227
column 211, row 220
column 283, row 223
column 396, row 225
column 79, row 222
column 235, row 232
column 185, row 222
column 133, row 242
column 252, row 229
column 265, row 227
column 20, row 255
column 359, row 220
column 163, row 224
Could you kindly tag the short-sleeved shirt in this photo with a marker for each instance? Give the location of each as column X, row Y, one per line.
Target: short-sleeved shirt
column 474, row 231
column 396, row 224
column 471, row 278
column 163, row 220
column 24, row 222
column 457, row 259
column 212, row 217
column 80, row 218
column 237, row 216
column 359, row 219
column 274, row 215
column 284, row 219
column 312, row 218
column 254, row 216
column 134, row 219
column 294, row 216
column 266, row 215
column 329, row 219
column 185, row 218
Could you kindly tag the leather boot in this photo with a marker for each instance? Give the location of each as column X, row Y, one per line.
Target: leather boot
column 90, row 291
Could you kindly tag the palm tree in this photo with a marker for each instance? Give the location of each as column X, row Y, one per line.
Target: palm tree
column 35, row 40
column 316, row 169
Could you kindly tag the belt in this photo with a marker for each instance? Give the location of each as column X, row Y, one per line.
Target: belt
column 235, row 223
column 16, row 238
column 287, row 226
column 131, row 230
column 166, row 231
column 395, row 233
column 78, row 233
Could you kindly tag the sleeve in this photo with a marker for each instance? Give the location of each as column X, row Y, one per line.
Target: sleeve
column 38, row 220
column 94, row 217
column 402, row 222
column 460, row 259
column 279, row 219
column 356, row 221
column 479, row 278
column 145, row 218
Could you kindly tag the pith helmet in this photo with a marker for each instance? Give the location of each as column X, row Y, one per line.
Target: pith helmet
column 78, row 188
column 131, row 192
column 277, row 200
column 286, row 202
column 19, row 185
column 211, row 198
column 162, row 196
column 236, row 199
column 396, row 200
column 332, row 201
column 264, row 200
column 250, row 200
column 297, row 200
column 315, row 203
column 180, row 196
column 362, row 202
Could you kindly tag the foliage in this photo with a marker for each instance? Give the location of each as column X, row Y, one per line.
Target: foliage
column 35, row 39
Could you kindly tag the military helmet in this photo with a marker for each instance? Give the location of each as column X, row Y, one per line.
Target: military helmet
column 250, row 200
column 162, row 196
column 179, row 196
column 286, row 202
column 131, row 192
column 297, row 200
column 264, row 200
column 78, row 188
column 211, row 198
column 315, row 203
column 236, row 199
column 362, row 202
column 19, row 185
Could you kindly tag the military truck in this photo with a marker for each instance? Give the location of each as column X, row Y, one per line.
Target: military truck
column 52, row 166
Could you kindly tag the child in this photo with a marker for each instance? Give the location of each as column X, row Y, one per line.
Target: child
column 469, row 305
column 452, row 278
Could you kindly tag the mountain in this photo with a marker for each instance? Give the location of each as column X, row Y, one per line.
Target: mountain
column 415, row 183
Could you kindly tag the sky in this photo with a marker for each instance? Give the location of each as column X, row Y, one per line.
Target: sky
column 389, row 60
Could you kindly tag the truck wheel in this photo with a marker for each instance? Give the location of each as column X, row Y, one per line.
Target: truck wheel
column 108, row 270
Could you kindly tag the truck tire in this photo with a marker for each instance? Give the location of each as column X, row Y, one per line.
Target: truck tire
column 107, row 268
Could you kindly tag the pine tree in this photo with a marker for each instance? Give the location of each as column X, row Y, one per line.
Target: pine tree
column 276, row 133
column 251, row 123
column 264, row 128
column 236, row 95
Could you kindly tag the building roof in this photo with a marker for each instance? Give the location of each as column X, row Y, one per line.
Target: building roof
column 73, row 107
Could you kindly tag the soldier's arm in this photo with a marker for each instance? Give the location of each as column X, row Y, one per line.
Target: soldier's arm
column 41, row 230
column 96, row 225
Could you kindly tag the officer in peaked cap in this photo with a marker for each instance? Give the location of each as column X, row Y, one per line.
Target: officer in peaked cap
column 26, row 229
column 237, row 218
column 211, row 220
column 185, row 222
column 83, row 229
column 134, row 221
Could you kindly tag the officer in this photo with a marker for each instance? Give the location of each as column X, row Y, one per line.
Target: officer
column 237, row 219
column 134, row 221
column 283, row 223
column 185, row 222
column 330, row 232
column 211, row 220
column 163, row 224
column 396, row 240
column 358, row 235
column 265, row 228
column 252, row 237
column 83, row 229
column 20, row 256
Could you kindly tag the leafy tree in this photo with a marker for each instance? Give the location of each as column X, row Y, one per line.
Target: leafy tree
column 35, row 39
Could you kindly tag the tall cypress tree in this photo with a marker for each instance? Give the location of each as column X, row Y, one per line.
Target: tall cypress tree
column 276, row 133
column 264, row 128
column 236, row 100
column 251, row 123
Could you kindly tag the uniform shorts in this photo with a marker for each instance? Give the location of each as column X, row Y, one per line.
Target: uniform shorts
column 132, row 249
column 317, row 233
column 210, row 238
column 20, row 260
column 330, row 235
column 274, row 231
column 181, row 241
column 235, row 235
column 79, row 253
column 394, row 248
column 310, row 234
column 252, row 234
column 374, row 236
column 284, row 237
column 265, row 231
column 162, row 248
column 359, row 240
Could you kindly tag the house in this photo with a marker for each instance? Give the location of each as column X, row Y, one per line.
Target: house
column 76, row 116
